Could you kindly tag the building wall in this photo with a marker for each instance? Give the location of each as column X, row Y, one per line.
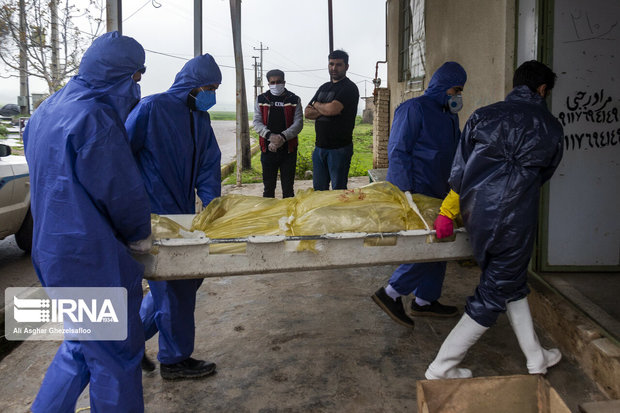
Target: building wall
column 381, row 128
column 479, row 34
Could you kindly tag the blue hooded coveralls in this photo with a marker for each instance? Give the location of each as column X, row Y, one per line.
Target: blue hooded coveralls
column 176, row 152
column 88, row 202
column 507, row 151
column 421, row 148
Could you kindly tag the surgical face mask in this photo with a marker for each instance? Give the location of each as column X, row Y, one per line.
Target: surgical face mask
column 205, row 99
column 277, row 89
column 455, row 103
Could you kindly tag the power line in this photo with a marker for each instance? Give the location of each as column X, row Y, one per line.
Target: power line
column 153, row 2
column 307, row 87
column 367, row 77
column 167, row 54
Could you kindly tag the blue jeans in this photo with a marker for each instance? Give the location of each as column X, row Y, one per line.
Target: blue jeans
column 331, row 165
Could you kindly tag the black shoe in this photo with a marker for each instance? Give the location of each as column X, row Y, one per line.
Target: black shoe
column 147, row 364
column 434, row 309
column 187, row 369
column 394, row 309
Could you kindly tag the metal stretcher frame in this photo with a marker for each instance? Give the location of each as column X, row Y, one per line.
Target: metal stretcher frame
column 184, row 258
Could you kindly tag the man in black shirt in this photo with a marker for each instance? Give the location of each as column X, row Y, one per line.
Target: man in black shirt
column 278, row 120
column 333, row 107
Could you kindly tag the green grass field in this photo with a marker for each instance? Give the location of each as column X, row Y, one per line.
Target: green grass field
column 215, row 115
column 360, row 163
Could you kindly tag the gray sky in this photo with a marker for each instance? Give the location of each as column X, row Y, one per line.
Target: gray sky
column 295, row 31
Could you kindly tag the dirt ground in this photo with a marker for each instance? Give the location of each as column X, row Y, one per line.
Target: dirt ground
column 307, row 342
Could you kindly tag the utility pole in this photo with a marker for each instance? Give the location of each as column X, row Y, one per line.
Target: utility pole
column 197, row 28
column 260, row 82
column 55, row 65
column 244, row 160
column 255, row 77
column 22, row 100
column 330, row 22
column 114, row 15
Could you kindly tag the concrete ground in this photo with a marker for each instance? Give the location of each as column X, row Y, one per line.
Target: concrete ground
column 308, row 342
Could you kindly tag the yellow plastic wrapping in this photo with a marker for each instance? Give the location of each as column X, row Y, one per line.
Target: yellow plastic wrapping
column 378, row 207
column 163, row 227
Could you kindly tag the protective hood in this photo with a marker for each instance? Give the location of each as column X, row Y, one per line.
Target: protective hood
column 424, row 137
column 107, row 68
column 199, row 71
column 175, row 147
column 450, row 74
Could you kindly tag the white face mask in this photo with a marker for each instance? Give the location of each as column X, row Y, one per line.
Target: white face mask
column 276, row 90
column 455, row 103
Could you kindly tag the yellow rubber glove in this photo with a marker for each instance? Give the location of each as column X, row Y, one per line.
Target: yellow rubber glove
column 450, row 206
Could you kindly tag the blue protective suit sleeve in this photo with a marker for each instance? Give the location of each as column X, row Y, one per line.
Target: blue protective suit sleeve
column 106, row 169
column 209, row 179
column 403, row 136
column 137, row 126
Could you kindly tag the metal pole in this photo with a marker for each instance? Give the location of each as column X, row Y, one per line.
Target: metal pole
column 255, row 78
column 260, row 78
column 114, row 13
column 260, row 82
column 331, row 25
column 197, row 27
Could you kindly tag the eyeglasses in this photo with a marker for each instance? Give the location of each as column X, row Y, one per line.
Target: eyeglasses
column 276, row 82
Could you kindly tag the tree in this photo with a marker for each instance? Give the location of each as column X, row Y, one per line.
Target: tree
column 52, row 41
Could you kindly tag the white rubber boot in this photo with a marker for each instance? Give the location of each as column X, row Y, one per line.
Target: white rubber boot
column 453, row 350
column 538, row 359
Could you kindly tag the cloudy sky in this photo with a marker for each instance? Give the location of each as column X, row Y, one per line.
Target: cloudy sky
column 294, row 31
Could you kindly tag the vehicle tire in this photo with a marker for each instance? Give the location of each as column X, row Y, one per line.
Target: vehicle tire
column 23, row 236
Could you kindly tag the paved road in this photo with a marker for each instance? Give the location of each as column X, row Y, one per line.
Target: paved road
column 225, row 133
column 15, row 267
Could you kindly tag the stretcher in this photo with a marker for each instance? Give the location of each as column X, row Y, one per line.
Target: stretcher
column 184, row 258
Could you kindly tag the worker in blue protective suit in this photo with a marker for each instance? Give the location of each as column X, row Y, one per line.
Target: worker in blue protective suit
column 423, row 140
column 89, row 205
column 507, row 151
column 173, row 143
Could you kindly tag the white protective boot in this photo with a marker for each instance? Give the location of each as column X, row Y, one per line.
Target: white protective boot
column 453, row 350
column 538, row 359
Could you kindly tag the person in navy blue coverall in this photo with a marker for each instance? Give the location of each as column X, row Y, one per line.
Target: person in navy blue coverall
column 423, row 140
column 508, row 150
column 90, row 211
column 171, row 136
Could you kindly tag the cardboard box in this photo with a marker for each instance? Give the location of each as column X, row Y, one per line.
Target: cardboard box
column 506, row 394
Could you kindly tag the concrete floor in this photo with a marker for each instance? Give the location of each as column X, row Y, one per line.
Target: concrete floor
column 308, row 342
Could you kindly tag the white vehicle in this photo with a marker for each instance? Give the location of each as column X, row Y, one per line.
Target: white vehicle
column 15, row 216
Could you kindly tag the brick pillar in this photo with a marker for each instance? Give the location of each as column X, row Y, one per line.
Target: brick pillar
column 381, row 128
